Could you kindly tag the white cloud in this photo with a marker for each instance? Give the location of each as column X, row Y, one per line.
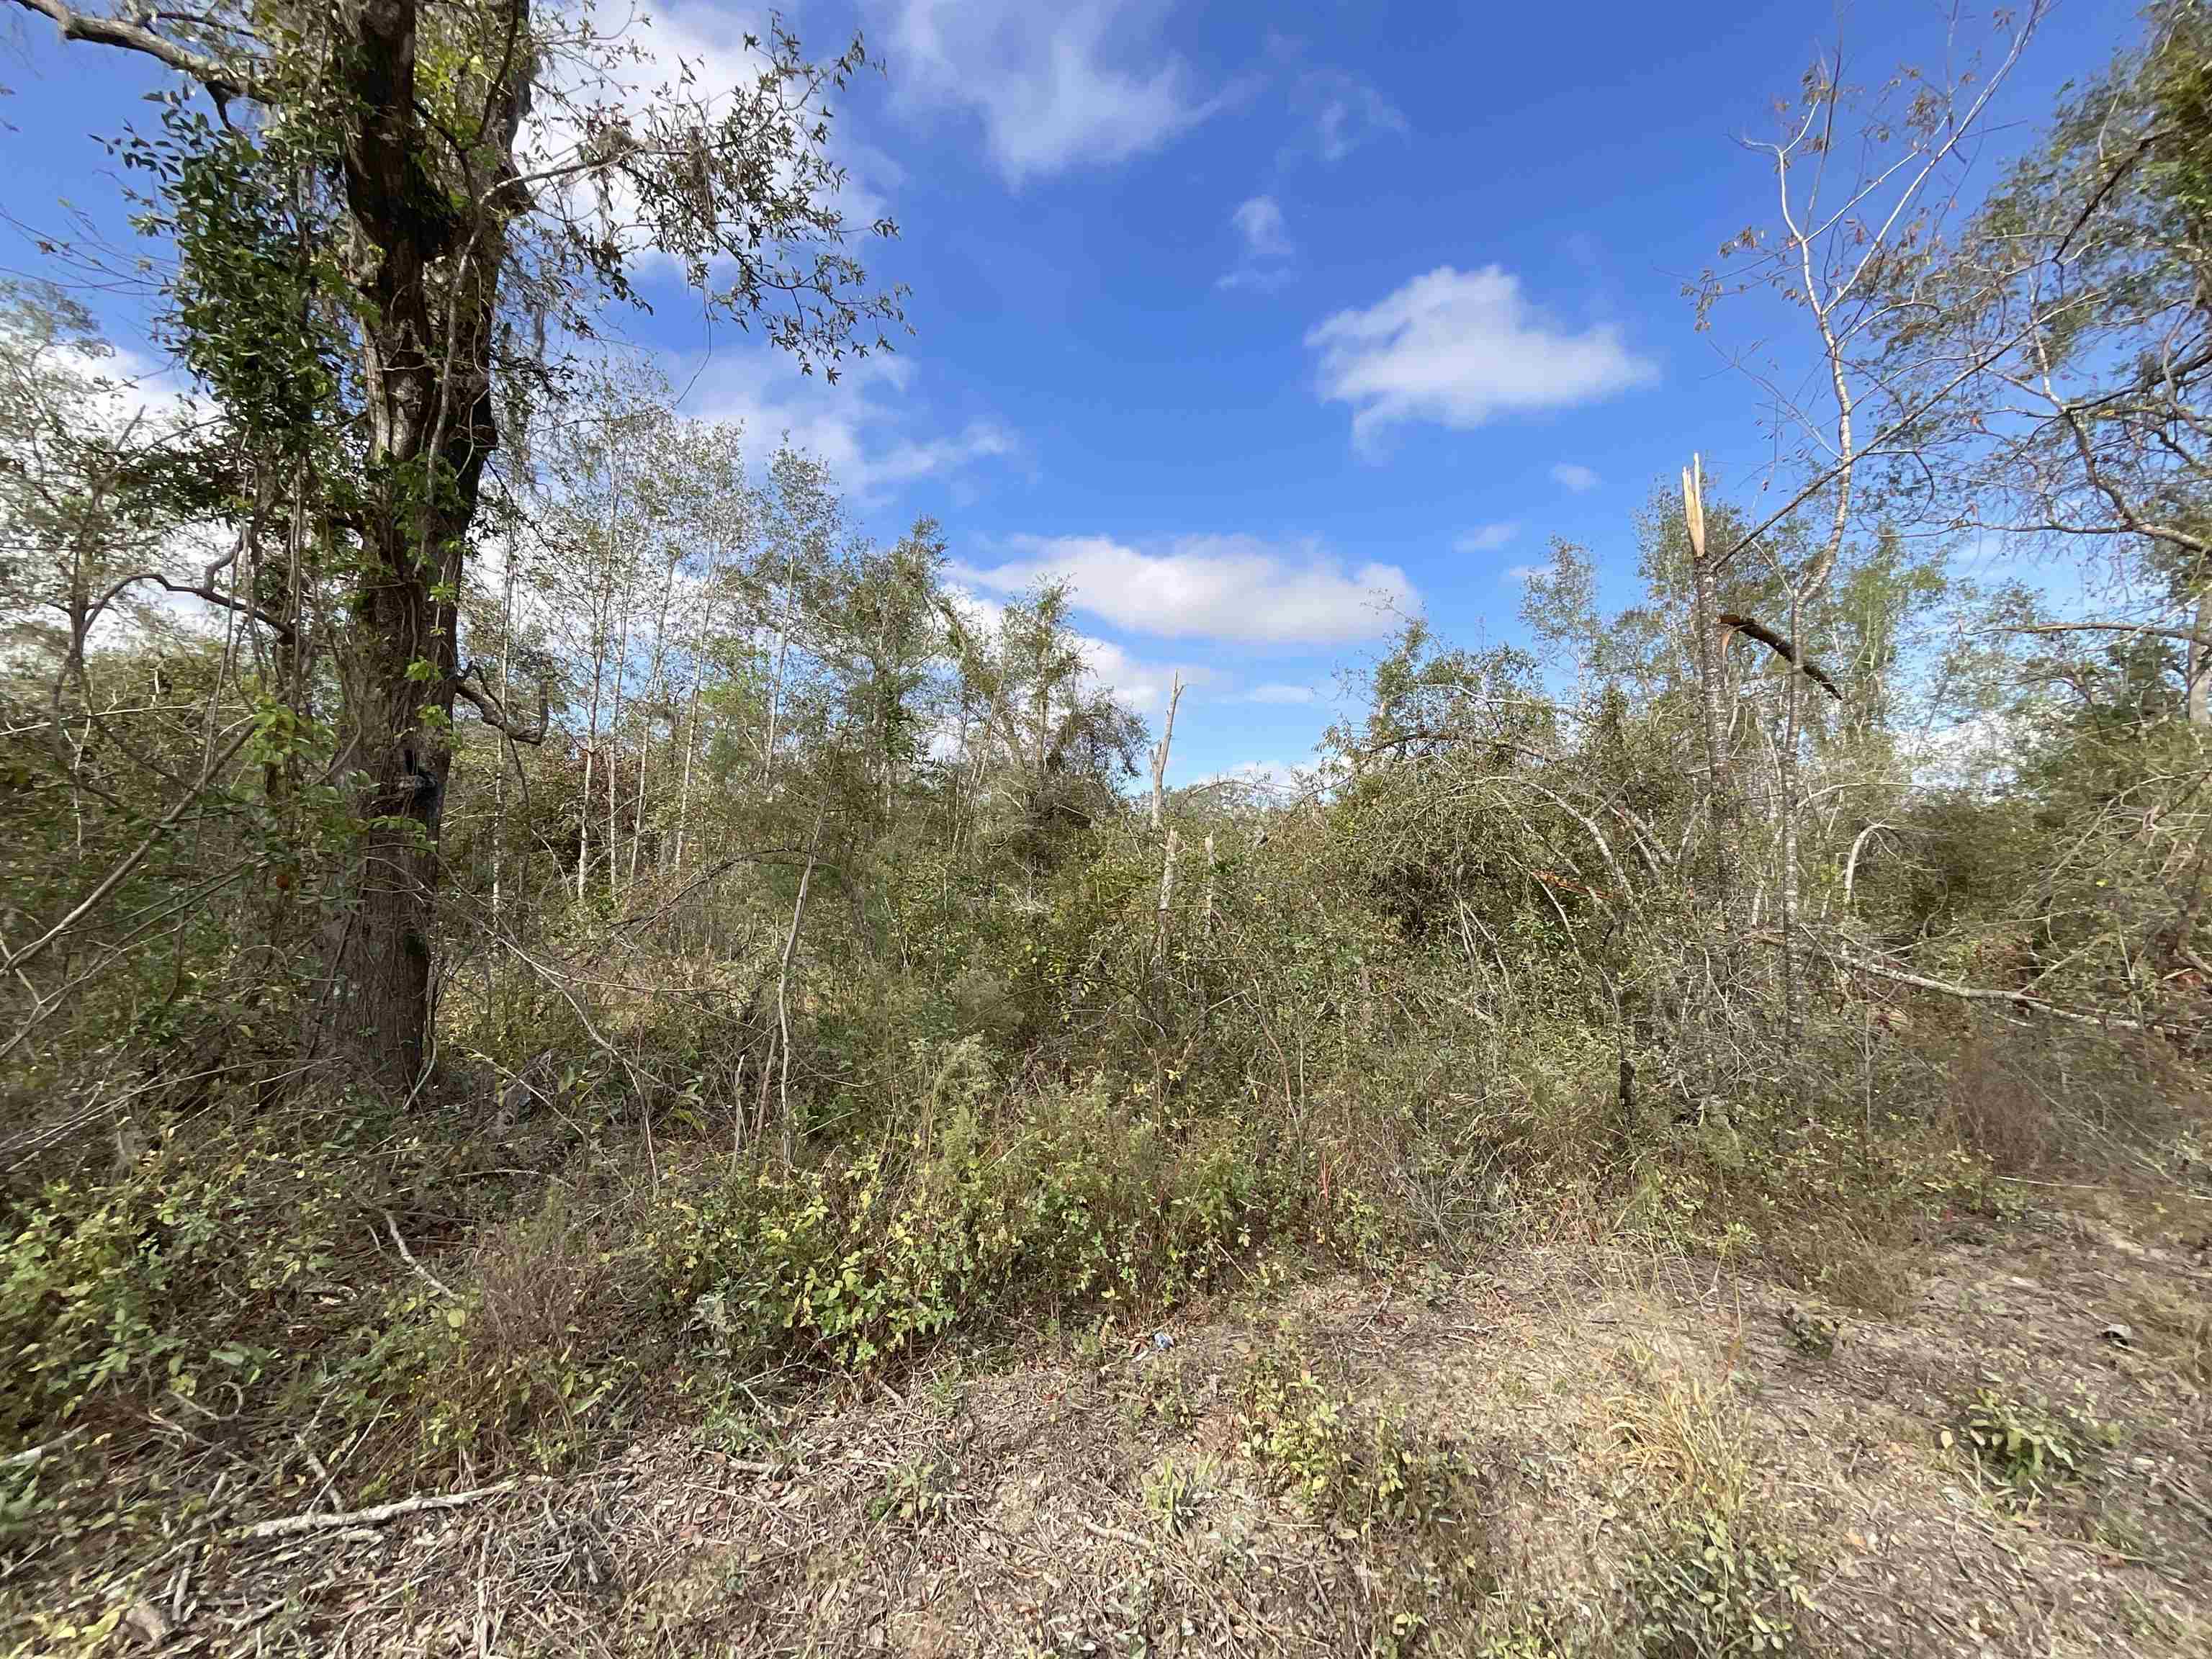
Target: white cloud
column 1347, row 113
column 859, row 436
column 1053, row 85
column 1458, row 347
column 1234, row 588
column 1520, row 575
column 1265, row 262
column 1259, row 221
column 1136, row 684
column 1572, row 475
column 1487, row 538
column 1279, row 694
column 121, row 385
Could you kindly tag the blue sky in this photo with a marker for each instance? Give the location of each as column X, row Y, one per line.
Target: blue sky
column 1240, row 315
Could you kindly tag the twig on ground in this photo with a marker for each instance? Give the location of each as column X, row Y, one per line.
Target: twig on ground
column 408, row 1256
column 32, row 1454
column 376, row 1514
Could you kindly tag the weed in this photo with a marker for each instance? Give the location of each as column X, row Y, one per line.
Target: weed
column 1173, row 1491
column 1409, row 1499
column 1715, row 1587
column 2025, row 1450
column 1720, row 1579
column 917, row 1493
column 1158, row 1399
column 1809, row 1334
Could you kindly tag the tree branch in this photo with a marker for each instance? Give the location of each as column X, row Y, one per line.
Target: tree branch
column 1753, row 629
column 495, row 716
column 222, row 83
column 2148, row 631
column 1980, row 994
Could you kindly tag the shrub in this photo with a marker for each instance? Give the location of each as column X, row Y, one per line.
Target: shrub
column 533, row 1347
column 1409, row 1497
column 2026, row 1449
column 1062, row 1196
column 189, row 1268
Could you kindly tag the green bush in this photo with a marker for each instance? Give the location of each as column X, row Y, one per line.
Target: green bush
column 1716, row 1588
column 179, row 1273
column 2026, row 1449
column 1060, row 1196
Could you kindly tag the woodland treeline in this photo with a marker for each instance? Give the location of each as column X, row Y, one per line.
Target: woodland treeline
column 506, row 886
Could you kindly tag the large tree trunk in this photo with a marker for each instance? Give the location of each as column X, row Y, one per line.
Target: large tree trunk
column 429, row 269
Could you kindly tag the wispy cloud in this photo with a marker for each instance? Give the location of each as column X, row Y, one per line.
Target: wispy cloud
column 1268, row 250
column 870, row 446
column 1573, row 475
column 1520, row 575
column 1053, row 85
column 1456, row 348
column 1227, row 587
column 1487, row 538
column 1345, row 112
column 1282, row 694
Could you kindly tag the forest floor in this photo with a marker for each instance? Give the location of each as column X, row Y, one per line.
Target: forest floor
column 1558, row 1451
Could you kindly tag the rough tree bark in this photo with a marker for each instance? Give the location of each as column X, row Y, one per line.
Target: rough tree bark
column 428, row 273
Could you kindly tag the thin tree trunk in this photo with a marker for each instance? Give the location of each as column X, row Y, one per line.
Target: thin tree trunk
column 1160, row 755
column 601, row 625
column 1712, row 667
column 1785, row 788
column 506, row 701
column 1167, row 895
column 2200, row 662
column 783, row 986
column 652, row 691
column 698, row 679
column 614, row 742
column 782, row 649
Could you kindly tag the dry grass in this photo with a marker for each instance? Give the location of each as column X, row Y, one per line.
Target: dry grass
column 1103, row 1498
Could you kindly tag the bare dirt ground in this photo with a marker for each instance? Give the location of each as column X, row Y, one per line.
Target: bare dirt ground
column 1575, row 1413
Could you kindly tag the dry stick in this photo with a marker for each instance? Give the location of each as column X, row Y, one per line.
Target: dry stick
column 35, row 1455
column 1979, row 994
column 376, row 1514
column 408, row 1256
column 1160, row 754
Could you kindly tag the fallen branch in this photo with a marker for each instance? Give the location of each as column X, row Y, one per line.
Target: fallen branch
column 291, row 1525
column 32, row 1455
column 408, row 1256
column 1752, row 627
column 1985, row 994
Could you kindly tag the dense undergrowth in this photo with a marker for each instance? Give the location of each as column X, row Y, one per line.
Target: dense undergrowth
column 809, row 995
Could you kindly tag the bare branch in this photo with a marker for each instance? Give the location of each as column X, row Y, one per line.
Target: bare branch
column 222, row 81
